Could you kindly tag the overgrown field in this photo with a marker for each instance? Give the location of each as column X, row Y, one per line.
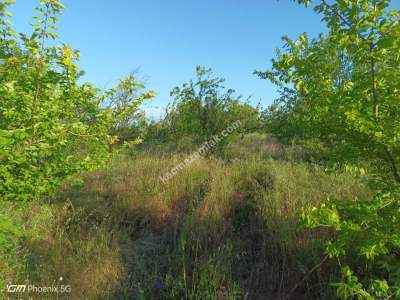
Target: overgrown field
column 217, row 199
column 220, row 229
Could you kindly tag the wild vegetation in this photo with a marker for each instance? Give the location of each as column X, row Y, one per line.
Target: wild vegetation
column 301, row 202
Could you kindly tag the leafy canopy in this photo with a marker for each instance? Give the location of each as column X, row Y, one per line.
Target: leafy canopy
column 51, row 125
column 341, row 90
column 204, row 107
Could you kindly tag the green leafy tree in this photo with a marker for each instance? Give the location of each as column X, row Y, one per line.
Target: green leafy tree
column 51, row 125
column 124, row 100
column 204, row 107
column 340, row 95
column 341, row 89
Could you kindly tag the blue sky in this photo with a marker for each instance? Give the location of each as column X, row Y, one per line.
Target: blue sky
column 166, row 39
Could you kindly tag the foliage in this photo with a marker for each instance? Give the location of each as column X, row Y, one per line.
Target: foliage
column 124, row 100
column 204, row 107
column 340, row 90
column 51, row 125
column 368, row 230
column 340, row 96
column 9, row 231
column 219, row 229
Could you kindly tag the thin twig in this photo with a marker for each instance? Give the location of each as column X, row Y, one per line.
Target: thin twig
column 305, row 277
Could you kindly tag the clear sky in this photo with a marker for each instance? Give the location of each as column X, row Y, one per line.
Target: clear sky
column 166, row 39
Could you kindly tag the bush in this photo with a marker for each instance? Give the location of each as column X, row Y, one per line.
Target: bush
column 51, row 125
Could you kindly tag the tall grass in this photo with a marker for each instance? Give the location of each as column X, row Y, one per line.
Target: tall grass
column 220, row 229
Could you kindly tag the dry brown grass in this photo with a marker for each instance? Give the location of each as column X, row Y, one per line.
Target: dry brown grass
column 217, row 229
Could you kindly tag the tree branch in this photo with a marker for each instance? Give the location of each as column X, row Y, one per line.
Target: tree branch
column 305, row 277
column 392, row 163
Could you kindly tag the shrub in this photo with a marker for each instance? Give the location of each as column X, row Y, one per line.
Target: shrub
column 51, row 125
